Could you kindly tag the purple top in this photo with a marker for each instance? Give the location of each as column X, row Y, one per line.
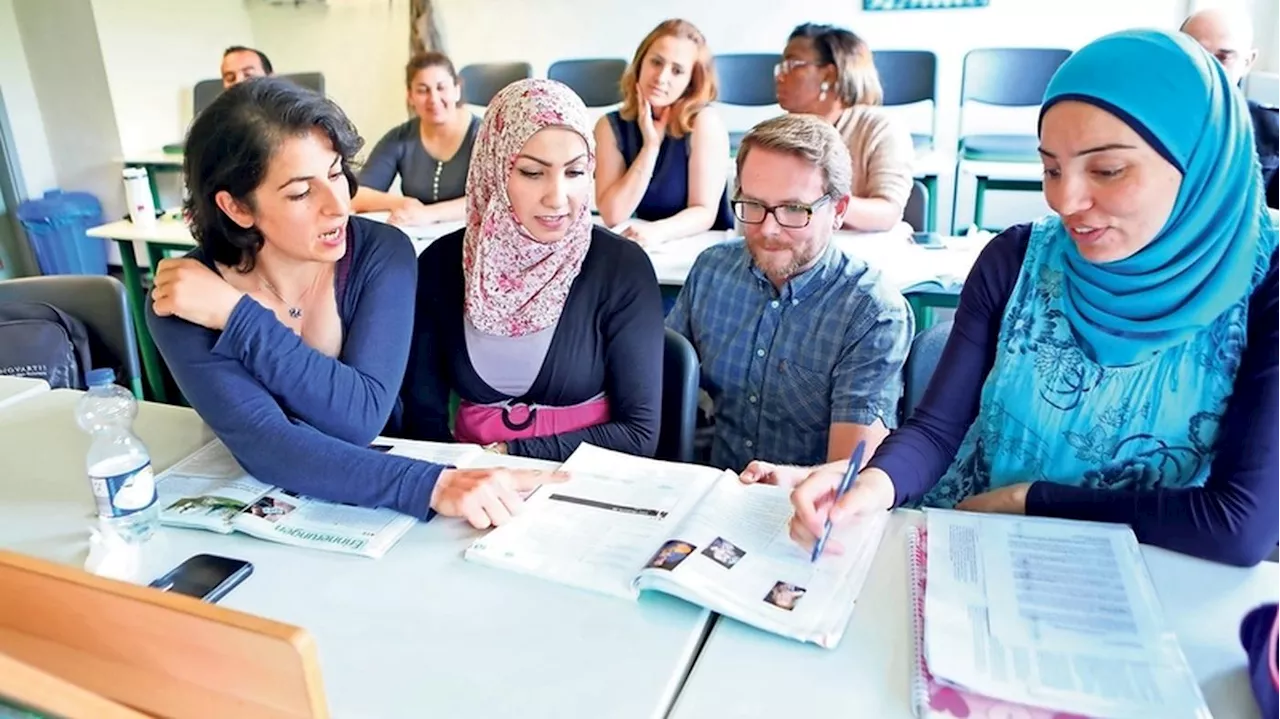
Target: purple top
column 1233, row 518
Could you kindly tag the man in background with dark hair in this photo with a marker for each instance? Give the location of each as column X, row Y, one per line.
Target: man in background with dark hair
column 241, row 63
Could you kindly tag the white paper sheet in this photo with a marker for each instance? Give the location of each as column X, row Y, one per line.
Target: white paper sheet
column 1051, row 613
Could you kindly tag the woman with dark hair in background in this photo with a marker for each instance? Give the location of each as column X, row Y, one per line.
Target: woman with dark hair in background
column 286, row 329
column 430, row 153
column 827, row 71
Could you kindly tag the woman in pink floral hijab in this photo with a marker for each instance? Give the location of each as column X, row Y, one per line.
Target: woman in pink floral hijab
column 546, row 326
column 517, row 275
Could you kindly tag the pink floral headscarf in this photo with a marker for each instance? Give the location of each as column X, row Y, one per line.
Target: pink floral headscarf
column 515, row 285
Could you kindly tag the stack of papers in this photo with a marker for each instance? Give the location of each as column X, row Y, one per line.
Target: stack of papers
column 1051, row 613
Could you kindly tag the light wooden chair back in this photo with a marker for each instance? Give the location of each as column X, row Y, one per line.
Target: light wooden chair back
column 28, row 689
column 161, row 654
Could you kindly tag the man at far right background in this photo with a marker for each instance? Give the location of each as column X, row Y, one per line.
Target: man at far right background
column 1227, row 33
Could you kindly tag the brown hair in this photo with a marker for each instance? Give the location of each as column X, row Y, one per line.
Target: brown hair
column 702, row 83
column 424, row 60
column 809, row 138
column 857, row 81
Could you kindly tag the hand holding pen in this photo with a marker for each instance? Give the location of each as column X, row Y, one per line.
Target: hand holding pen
column 834, row 495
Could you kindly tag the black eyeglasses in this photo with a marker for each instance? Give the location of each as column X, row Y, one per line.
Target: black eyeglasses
column 791, row 215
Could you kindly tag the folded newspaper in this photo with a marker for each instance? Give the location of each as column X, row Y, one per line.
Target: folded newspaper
column 623, row 524
column 209, row 490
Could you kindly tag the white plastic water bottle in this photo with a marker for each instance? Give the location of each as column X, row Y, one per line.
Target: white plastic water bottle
column 118, row 463
column 137, row 192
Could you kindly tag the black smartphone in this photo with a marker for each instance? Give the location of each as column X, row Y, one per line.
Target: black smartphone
column 929, row 240
column 205, row 576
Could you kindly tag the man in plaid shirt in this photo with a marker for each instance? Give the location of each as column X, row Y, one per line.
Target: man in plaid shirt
column 801, row 345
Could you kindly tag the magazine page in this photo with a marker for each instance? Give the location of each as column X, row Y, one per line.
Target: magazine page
column 289, row 518
column 598, row 529
column 206, row 490
column 734, row 555
column 456, row 454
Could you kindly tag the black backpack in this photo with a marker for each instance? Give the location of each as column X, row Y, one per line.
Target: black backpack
column 41, row 341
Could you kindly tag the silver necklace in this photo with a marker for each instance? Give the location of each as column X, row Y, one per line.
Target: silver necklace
column 294, row 310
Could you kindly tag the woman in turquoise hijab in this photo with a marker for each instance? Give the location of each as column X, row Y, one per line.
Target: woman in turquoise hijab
column 1116, row 360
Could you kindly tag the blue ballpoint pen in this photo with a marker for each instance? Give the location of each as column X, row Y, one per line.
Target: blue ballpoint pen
column 845, row 484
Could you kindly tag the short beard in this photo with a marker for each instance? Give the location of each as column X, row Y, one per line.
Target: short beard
column 780, row 274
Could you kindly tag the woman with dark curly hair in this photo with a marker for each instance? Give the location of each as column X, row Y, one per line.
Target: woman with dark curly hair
column 287, row 329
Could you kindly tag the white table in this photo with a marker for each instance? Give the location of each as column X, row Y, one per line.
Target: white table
column 418, row 633
column 904, row 263
column 170, row 234
column 153, row 158
column 16, row 389
column 171, row 230
column 745, row 672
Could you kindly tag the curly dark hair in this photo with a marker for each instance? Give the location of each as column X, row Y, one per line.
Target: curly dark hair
column 229, row 147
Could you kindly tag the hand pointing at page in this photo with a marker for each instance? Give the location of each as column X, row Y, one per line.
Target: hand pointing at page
column 815, row 498
column 486, row 497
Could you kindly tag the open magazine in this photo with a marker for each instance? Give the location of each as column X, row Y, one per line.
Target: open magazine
column 209, row 490
column 623, row 524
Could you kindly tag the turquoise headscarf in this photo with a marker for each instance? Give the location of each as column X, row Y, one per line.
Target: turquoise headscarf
column 1178, row 97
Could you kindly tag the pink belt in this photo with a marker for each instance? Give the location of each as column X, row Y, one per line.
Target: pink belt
column 486, row 423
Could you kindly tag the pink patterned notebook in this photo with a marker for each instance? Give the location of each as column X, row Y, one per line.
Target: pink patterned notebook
column 932, row 699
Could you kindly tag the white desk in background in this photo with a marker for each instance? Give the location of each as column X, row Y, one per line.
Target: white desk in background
column 16, row 389
column 904, row 263
column 417, row 633
column 745, row 672
column 170, row 235
column 153, row 158
column 154, row 162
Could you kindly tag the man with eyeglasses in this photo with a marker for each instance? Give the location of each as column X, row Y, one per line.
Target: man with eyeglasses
column 1227, row 33
column 801, row 346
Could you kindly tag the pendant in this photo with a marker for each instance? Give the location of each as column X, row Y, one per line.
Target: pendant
column 295, row 313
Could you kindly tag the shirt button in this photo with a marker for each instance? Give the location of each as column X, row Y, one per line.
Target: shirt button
column 795, row 302
column 759, row 353
column 749, row 444
column 774, row 304
column 752, row 399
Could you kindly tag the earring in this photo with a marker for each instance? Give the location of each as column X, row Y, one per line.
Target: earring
column 823, row 94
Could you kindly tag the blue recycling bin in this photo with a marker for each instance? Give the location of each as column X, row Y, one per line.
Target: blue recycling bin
column 56, row 225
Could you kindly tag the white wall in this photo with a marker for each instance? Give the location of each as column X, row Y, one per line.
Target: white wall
column 60, row 41
column 154, row 52
column 1266, row 33
column 23, row 109
column 361, row 46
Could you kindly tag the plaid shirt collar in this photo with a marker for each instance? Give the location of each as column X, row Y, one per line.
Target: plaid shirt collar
column 802, row 285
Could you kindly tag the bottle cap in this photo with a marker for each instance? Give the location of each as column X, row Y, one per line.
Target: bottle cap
column 100, row 377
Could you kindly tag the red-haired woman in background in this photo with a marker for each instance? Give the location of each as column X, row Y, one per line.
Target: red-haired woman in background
column 664, row 155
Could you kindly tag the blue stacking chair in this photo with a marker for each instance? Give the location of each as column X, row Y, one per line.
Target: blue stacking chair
column 679, row 415
column 908, row 77
column 921, row 363
column 480, row 82
column 206, row 91
column 746, row 80
column 596, row 80
column 916, row 213
column 1007, row 77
